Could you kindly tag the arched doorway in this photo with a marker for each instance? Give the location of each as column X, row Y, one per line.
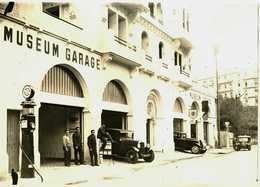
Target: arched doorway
column 178, row 110
column 62, row 101
column 194, row 123
column 115, row 106
column 152, row 114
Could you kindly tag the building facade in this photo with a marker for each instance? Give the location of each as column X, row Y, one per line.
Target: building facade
column 122, row 64
column 242, row 85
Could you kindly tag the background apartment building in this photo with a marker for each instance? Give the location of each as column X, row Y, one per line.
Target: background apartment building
column 242, row 85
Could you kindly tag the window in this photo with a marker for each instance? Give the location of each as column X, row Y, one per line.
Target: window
column 112, row 21
column 121, row 27
column 52, row 9
column 151, row 7
column 238, row 84
column 117, row 24
column 159, row 13
column 175, row 58
column 161, row 50
column 62, row 11
column 145, row 41
column 180, row 60
column 188, row 23
column 246, row 84
column 183, row 18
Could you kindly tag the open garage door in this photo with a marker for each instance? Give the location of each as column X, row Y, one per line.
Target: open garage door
column 54, row 119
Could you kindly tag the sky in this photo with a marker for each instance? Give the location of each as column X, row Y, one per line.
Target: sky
column 228, row 25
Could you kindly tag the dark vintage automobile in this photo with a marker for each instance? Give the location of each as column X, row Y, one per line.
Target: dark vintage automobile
column 242, row 142
column 182, row 143
column 125, row 146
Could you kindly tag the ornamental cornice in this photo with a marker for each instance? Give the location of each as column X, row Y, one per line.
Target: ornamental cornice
column 155, row 29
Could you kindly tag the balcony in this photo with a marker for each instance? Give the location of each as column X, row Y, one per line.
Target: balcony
column 164, row 71
column 183, row 38
column 182, row 78
column 148, row 65
column 121, row 51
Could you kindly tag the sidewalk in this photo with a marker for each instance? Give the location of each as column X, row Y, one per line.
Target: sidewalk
column 108, row 170
column 223, row 150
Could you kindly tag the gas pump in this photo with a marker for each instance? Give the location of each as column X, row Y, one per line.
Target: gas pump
column 28, row 127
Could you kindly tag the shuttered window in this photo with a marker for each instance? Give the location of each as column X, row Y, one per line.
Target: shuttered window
column 114, row 93
column 60, row 80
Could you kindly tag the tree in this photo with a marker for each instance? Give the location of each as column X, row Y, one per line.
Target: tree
column 231, row 109
column 243, row 119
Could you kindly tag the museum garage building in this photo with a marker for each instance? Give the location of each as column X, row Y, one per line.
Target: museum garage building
column 125, row 65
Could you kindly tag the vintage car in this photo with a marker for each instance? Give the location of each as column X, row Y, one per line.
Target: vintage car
column 182, row 143
column 242, row 142
column 125, row 146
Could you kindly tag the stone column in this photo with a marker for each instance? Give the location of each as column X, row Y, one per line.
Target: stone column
column 86, row 128
column 37, row 156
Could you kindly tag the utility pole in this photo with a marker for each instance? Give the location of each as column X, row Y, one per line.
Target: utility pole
column 217, row 99
column 258, row 108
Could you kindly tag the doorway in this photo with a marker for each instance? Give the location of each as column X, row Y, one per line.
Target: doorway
column 193, row 129
column 113, row 119
column 54, row 120
column 13, row 139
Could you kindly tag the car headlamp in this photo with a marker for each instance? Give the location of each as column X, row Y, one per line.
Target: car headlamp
column 139, row 145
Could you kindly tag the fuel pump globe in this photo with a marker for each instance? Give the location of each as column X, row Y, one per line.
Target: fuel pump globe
column 28, row 92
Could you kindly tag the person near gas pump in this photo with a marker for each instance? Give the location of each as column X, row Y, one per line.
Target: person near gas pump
column 103, row 135
column 92, row 145
column 77, row 146
column 67, row 147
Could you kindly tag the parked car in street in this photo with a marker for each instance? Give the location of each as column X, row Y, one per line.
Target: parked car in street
column 183, row 143
column 242, row 142
column 125, row 146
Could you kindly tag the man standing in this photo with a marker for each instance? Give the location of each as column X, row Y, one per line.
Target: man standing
column 76, row 137
column 92, row 145
column 67, row 147
column 103, row 136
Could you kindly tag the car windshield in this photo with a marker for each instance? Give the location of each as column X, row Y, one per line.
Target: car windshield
column 243, row 139
column 126, row 135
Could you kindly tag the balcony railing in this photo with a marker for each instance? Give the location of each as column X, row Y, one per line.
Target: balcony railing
column 149, row 58
column 124, row 43
column 184, row 73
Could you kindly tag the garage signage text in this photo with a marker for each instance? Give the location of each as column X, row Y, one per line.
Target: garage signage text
column 50, row 48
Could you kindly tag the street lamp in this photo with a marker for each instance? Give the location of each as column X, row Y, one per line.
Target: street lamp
column 217, row 100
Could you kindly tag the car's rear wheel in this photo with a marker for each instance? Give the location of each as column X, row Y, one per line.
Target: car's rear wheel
column 195, row 149
column 132, row 156
column 151, row 156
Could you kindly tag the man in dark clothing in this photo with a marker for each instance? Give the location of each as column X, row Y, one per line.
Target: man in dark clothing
column 103, row 136
column 76, row 137
column 92, row 145
column 14, row 177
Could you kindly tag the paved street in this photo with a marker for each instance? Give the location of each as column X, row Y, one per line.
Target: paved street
column 176, row 169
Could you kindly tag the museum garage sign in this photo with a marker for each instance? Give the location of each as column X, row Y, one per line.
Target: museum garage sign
column 48, row 47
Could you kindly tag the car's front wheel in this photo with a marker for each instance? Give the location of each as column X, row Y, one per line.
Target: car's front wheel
column 150, row 158
column 132, row 156
column 195, row 149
